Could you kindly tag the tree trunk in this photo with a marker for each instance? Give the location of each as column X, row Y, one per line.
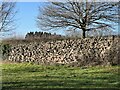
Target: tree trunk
column 83, row 33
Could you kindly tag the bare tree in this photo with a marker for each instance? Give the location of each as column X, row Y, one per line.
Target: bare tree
column 7, row 14
column 73, row 15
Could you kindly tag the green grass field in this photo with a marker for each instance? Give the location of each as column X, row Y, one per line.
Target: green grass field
column 24, row 76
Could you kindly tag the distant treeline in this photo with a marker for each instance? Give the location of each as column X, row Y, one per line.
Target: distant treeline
column 42, row 35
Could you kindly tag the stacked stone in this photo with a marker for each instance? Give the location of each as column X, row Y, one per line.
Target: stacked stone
column 89, row 51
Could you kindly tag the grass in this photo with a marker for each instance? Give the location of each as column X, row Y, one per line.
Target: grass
column 22, row 76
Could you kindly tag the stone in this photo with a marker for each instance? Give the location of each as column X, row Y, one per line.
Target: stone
column 89, row 51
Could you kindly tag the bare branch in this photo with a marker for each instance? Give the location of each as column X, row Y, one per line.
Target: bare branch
column 7, row 15
column 85, row 16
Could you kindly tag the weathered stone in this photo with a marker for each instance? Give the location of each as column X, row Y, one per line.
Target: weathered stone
column 89, row 51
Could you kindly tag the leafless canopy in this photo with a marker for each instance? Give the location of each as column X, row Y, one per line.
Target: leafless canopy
column 7, row 14
column 72, row 15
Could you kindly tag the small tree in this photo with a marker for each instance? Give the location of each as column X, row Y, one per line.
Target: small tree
column 7, row 14
column 74, row 15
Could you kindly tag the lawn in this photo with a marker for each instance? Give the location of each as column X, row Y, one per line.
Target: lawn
column 26, row 76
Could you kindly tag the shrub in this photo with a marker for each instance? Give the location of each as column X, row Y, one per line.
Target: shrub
column 5, row 49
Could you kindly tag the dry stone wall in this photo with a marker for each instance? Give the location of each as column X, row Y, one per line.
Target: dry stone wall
column 75, row 52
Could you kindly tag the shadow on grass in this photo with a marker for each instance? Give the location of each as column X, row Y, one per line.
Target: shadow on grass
column 55, row 84
column 34, row 78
